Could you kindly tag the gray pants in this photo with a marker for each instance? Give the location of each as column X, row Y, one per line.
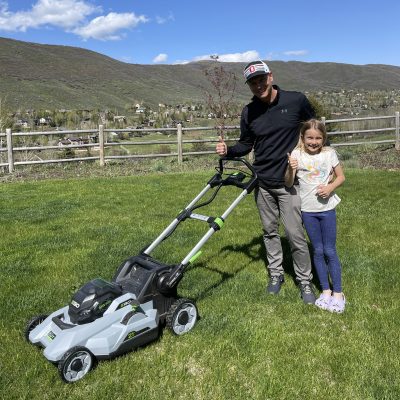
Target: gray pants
column 284, row 203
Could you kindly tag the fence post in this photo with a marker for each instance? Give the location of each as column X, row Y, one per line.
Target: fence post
column 10, row 151
column 180, row 143
column 101, row 145
column 397, row 122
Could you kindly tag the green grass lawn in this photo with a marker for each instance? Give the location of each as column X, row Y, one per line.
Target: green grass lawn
column 58, row 234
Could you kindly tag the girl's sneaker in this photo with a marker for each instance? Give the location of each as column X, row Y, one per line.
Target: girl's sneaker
column 337, row 305
column 323, row 302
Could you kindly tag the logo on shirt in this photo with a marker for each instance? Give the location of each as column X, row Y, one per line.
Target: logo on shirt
column 315, row 173
column 284, row 110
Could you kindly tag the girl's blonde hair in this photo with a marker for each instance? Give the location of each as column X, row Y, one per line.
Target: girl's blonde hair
column 312, row 124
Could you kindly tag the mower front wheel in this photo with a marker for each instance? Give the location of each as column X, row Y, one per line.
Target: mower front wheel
column 75, row 364
column 33, row 323
column 182, row 316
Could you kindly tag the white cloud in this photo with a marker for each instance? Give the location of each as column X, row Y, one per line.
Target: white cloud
column 126, row 59
column 65, row 13
column 160, row 58
column 270, row 56
column 70, row 15
column 295, row 53
column 106, row 27
column 247, row 56
column 181, row 62
column 163, row 20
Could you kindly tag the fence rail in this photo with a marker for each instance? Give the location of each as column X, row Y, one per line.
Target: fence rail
column 102, row 144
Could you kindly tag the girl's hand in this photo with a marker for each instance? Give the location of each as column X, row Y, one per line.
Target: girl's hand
column 324, row 191
column 292, row 161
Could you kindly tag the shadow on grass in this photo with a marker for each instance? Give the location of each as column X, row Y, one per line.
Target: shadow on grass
column 288, row 263
column 225, row 276
column 255, row 252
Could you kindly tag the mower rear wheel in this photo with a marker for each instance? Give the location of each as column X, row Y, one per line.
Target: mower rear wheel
column 33, row 323
column 75, row 364
column 182, row 316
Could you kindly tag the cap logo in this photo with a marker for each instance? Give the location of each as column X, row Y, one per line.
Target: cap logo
column 256, row 68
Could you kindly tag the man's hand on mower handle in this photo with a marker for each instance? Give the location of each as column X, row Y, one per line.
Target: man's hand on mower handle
column 221, row 147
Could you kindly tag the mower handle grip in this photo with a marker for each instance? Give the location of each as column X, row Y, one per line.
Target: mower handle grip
column 236, row 159
column 252, row 183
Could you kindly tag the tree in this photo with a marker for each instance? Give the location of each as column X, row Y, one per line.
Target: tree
column 5, row 119
column 220, row 97
column 5, row 122
column 319, row 109
column 59, row 118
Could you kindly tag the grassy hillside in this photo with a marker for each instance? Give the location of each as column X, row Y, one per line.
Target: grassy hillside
column 39, row 76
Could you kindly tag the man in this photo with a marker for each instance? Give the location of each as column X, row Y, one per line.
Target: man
column 270, row 126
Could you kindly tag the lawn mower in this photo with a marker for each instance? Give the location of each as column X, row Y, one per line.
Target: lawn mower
column 105, row 319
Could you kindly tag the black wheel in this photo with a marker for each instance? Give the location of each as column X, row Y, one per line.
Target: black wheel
column 75, row 364
column 33, row 323
column 182, row 316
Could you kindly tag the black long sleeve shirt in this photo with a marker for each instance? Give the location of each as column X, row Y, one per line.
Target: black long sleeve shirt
column 273, row 131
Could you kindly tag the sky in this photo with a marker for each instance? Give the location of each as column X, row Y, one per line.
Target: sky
column 176, row 31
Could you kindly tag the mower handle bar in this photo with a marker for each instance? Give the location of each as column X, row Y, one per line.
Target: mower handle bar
column 237, row 181
column 216, row 181
column 237, row 159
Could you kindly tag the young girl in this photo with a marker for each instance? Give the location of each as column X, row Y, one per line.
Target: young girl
column 313, row 164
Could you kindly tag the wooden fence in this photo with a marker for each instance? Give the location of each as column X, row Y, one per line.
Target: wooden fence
column 100, row 136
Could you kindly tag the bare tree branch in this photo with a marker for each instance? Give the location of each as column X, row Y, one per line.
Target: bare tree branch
column 220, row 97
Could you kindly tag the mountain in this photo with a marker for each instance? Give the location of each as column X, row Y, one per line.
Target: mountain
column 47, row 76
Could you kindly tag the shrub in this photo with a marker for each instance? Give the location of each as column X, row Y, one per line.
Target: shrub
column 164, row 149
column 67, row 153
column 199, row 146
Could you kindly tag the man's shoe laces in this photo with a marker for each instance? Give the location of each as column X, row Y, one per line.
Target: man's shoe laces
column 275, row 280
column 307, row 289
